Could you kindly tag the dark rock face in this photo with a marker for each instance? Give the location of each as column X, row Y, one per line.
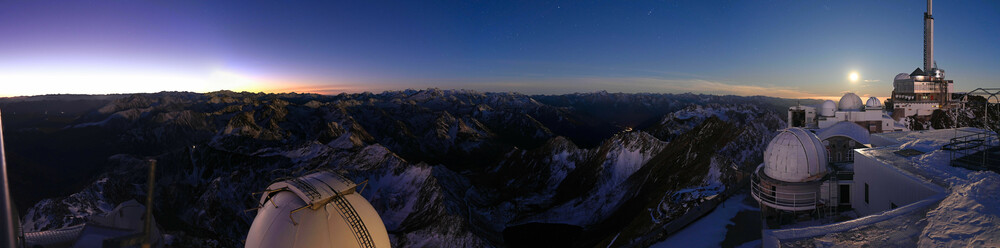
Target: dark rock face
column 444, row 168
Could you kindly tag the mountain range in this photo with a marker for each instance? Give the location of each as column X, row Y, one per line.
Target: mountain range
column 444, row 168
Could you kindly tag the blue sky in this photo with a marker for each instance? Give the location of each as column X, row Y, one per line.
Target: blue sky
column 777, row 48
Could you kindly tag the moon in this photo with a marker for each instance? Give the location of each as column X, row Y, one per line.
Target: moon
column 853, row 76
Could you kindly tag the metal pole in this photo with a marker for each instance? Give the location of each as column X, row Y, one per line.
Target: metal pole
column 147, row 229
column 6, row 209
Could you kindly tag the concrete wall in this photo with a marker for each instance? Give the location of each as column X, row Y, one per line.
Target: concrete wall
column 887, row 185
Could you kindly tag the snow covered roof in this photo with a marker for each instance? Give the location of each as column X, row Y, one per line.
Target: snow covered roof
column 966, row 214
column 845, row 129
column 795, row 155
column 316, row 210
column 939, row 135
column 128, row 218
column 970, row 213
column 850, row 102
column 902, row 76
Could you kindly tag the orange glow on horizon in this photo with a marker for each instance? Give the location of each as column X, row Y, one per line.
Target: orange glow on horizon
column 31, row 83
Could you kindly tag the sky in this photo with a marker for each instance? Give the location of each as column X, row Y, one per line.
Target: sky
column 795, row 49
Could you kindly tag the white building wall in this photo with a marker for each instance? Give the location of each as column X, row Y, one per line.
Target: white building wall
column 810, row 114
column 886, row 185
column 925, row 108
column 855, row 116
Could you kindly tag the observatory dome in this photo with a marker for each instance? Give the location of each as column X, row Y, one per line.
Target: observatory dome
column 795, row 155
column 873, row 103
column 828, row 108
column 850, row 102
column 320, row 209
column 902, row 76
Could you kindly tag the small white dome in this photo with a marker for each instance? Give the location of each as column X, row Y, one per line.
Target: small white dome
column 850, row 102
column 828, row 109
column 795, row 155
column 321, row 209
column 873, row 103
column 902, row 76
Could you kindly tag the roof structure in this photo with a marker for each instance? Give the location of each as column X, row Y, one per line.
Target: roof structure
column 850, row 102
column 902, row 76
column 845, row 129
column 127, row 219
column 795, row 155
column 873, row 103
column 320, row 209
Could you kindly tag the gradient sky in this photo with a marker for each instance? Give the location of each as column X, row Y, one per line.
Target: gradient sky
column 774, row 48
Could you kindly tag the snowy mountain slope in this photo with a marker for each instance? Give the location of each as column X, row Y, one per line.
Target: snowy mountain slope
column 444, row 168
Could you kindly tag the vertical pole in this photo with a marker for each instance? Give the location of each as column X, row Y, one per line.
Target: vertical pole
column 147, row 229
column 928, row 41
column 9, row 237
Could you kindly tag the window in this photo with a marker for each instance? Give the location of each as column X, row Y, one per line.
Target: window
column 773, row 190
column 866, row 193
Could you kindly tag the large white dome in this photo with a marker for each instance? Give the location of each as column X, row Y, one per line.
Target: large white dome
column 850, row 102
column 318, row 210
column 873, row 103
column 828, row 108
column 795, row 155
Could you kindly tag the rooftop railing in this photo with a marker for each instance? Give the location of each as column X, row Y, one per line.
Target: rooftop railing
column 795, row 201
column 979, row 151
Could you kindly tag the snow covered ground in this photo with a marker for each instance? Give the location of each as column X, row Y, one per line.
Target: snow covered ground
column 709, row 231
column 968, row 214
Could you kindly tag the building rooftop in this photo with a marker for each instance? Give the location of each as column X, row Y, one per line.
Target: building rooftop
column 966, row 214
column 846, row 129
column 795, row 155
column 933, row 165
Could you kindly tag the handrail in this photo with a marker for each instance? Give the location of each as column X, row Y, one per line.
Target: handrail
column 782, row 199
column 354, row 220
column 963, row 147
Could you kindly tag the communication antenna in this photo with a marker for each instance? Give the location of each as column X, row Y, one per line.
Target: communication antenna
column 928, row 39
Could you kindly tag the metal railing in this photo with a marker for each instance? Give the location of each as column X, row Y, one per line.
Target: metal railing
column 354, row 220
column 974, row 150
column 776, row 198
column 306, row 188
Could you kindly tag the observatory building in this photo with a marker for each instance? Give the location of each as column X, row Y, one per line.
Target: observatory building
column 321, row 209
column 797, row 180
column 928, row 182
column 869, row 115
column 922, row 91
